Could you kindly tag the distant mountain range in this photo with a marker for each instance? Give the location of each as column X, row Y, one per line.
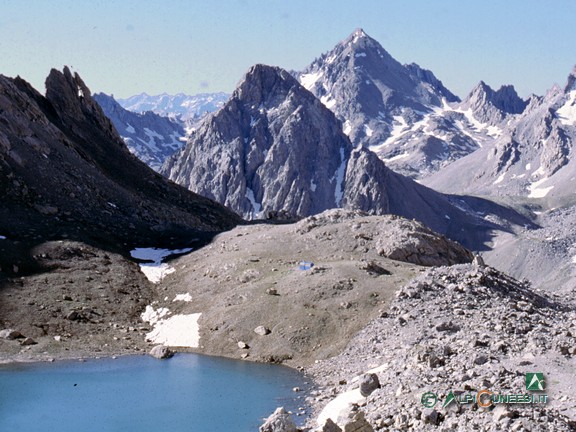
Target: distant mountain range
column 181, row 106
column 491, row 142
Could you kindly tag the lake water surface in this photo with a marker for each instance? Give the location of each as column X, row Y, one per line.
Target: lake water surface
column 138, row 393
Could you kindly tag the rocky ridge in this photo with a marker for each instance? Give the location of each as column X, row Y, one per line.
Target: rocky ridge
column 462, row 328
column 403, row 112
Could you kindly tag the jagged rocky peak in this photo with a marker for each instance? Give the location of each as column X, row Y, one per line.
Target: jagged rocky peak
column 368, row 89
column 265, row 85
column 68, row 92
column 571, row 82
column 492, row 107
column 359, row 40
column 505, row 98
column 272, row 148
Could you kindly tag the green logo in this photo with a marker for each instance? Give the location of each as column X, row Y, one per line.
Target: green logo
column 449, row 399
column 429, row 399
column 535, row 381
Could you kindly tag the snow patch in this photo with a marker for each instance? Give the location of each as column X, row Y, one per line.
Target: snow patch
column 2, row 237
column 399, row 128
column 183, row 297
column 130, row 129
column 567, row 112
column 395, row 158
column 539, row 192
column 177, row 330
column 156, row 270
column 500, row 179
column 347, row 128
column 528, row 167
column 256, row 207
column 308, row 80
column 152, row 316
column 313, row 185
column 340, row 406
column 360, row 54
column 368, row 131
column 328, row 101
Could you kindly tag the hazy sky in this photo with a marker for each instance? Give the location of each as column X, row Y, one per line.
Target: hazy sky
column 127, row 47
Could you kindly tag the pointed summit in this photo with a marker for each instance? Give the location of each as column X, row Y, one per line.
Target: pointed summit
column 357, row 35
column 367, row 88
column 571, row 82
column 265, row 87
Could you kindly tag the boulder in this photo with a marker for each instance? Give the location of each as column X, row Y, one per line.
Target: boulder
column 430, row 416
column 279, row 421
column 161, row 352
column 262, row 331
column 330, row 426
column 28, row 341
column 358, row 424
column 368, row 384
column 10, row 334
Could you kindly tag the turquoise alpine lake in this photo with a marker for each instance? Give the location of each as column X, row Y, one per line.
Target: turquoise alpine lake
column 189, row 392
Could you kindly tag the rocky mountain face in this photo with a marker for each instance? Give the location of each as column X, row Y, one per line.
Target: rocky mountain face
column 531, row 158
column 182, row 106
column 449, row 133
column 66, row 173
column 272, row 147
column 149, row 136
column 276, row 149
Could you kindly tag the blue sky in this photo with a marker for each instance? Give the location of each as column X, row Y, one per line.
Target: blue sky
column 126, row 47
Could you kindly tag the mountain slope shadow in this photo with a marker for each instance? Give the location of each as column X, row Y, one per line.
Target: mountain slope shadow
column 65, row 173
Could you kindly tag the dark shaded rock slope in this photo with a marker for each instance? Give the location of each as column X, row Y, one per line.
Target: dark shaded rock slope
column 66, row 173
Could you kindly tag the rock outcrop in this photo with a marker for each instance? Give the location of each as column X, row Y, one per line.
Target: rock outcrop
column 161, row 352
column 493, row 107
column 279, row 421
